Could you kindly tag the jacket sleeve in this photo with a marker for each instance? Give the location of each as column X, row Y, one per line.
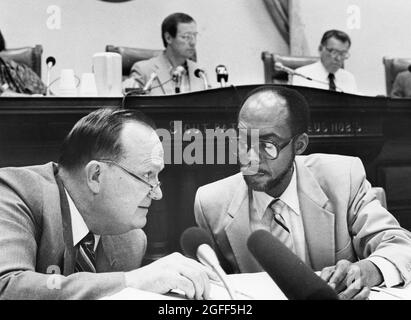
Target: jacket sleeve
column 375, row 231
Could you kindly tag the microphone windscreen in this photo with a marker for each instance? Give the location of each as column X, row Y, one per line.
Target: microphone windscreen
column 409, row 68
column 197, row 72
column 192, row 238
column 51, row 60
column 290, row 273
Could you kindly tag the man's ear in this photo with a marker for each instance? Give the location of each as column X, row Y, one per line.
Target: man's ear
column 167, row 37
column 301, row 143
column 93, row 172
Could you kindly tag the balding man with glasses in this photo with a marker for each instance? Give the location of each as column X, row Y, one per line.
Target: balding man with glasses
column 329, row 72
column 73, row 229
column 320, row 206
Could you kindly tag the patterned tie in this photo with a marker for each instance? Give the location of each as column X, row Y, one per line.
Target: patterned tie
column 86, row 257
column 277, row 223
column 331, row 81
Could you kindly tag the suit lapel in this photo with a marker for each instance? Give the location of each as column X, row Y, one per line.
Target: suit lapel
column 238, row 230
column 163, row 70
column 317, row 219
column 69, row 251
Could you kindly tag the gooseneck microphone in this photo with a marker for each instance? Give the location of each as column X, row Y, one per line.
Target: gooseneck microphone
column 149, row 83
column 197, row 243
column 290, row 273
column 199, row 73
column 50, row 62
column 280, row 66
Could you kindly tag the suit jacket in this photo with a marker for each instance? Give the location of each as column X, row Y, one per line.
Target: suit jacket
column 341, row 216
column 401, row 87
column 161, row 66
column 36, row 240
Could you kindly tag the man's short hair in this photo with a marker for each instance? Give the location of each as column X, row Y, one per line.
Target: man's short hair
column 97, row 136
column 338, row 34
column 170, row 24
column 299, row 111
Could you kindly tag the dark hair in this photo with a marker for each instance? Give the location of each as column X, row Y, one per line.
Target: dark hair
column 339, row 35
column 299, row 111
column 170, row 24
column 97, row 136
column 2, row 42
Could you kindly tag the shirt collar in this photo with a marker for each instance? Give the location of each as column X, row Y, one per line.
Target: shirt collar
column 326, row 73
column 289, row 197
column 78, row 226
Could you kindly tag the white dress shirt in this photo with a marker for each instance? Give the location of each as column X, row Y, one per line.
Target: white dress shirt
column 292, row 216
column 78, row 226
column 344, row 80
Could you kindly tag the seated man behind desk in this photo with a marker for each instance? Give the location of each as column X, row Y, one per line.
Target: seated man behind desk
column 82, row 217
column 401, row 87
column 328, row 73
column 18, row 79
column 320, row 206
column 179, row 35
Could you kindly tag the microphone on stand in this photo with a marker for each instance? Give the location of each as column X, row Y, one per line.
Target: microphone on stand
column 177, row 77
column 149, row 83
column 199, row 73
column 222, row 75
column 196, row 243
column 50, row 62
column 289, row 272
column 280, row 66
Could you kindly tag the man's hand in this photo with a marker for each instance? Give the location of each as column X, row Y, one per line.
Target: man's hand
column 173, row 272
column 352, row 280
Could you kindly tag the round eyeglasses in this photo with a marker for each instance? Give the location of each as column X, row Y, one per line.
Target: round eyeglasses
column 271, row 148
column 337, row 53
column 153, row 187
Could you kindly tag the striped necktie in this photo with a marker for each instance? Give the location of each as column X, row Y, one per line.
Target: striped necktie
column 86, row 257
column 278, row 227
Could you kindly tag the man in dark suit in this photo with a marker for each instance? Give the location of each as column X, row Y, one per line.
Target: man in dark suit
column 72, row 230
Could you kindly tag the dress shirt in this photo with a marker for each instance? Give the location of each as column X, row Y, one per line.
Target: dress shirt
column 292, row 216
column 344, row 80
column 78, row 226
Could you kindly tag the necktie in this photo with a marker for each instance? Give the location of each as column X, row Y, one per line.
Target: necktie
column 331, row 81
column 277, row 224
column 86, row 257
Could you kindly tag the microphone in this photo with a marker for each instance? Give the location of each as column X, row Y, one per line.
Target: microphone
column 149, row 83
column 197, row 243
column 222, row 74
column 409, row 68
column 50, row 62
column 290, row 273
column 177, row 77
column 199, row 73
column 280, row 66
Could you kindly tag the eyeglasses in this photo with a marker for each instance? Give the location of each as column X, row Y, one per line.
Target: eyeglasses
column 153, row 187
column 189, row 36
column 271, row 148
column 337, row 53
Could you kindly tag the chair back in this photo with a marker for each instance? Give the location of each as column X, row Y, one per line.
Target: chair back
column 392, row 67
column 30, row 56
column 129, row 56
column 272, row 75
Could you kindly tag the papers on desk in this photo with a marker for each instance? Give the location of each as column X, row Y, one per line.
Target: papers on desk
column 246, row 286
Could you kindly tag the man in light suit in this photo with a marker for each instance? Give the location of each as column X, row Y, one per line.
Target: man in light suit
column 174, row 68
column 329, row 217
column 72, row 230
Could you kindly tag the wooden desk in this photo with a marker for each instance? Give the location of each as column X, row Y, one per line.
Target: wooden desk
column 376, row 129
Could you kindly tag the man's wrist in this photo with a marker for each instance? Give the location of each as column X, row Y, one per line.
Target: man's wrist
column 372, row 274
